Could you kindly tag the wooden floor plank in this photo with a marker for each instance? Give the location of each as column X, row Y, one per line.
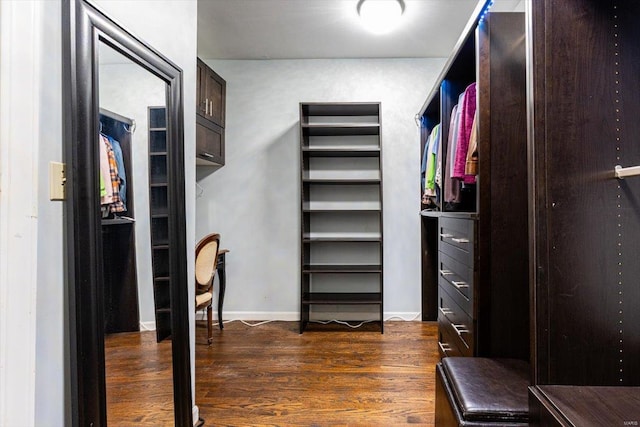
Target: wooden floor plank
column 271, row 375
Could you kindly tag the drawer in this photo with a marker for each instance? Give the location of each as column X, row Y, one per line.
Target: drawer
column 458, row 277
column 447, row 346
column 460, row 323
column 456, row 238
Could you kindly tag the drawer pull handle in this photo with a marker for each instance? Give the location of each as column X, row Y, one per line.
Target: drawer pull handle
column 206, row 106
column 445, row 272
column 444, row 349
column 459, row 285
column 460, row 329
column 445, row 311
column 460, row 240
column 445, row 235
column 205, row 154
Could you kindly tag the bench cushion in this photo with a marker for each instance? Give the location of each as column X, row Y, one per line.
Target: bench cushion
column 489, row 389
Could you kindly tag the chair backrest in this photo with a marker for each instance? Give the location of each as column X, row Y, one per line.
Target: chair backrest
column 206, row 259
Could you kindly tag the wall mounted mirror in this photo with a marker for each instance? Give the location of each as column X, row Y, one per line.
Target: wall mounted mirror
column 126, row 248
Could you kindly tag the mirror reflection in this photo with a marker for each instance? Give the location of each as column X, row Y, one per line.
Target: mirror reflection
column 133, row 190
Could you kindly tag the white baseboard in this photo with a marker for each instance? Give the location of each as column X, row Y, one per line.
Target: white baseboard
column 148, row 326
column 196, row 414
column 294, row 316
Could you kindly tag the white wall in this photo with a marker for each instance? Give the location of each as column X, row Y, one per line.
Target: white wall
column 253, row 200
column 32, row 367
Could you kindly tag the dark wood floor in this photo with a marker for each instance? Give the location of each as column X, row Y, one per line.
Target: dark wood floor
column 272, row 375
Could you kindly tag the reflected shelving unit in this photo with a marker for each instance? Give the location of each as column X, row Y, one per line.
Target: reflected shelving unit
column 159, row 208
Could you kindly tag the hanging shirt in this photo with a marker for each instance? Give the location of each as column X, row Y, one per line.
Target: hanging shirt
column 467, row 113
column 452, row 186
column 105, row 171
column 430, row 185
column 116, row 204
column 471, row 165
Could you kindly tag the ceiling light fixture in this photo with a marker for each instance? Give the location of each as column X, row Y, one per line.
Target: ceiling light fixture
column 380, row 16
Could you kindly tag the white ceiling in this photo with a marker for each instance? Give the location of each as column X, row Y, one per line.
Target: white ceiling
column 297, row 29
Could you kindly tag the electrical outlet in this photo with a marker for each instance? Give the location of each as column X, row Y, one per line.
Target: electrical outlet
column 57, row 181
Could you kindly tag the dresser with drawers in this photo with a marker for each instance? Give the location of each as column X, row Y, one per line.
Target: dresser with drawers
column 456, row 238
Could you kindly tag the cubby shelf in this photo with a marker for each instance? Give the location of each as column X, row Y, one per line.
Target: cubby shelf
column 341, row 209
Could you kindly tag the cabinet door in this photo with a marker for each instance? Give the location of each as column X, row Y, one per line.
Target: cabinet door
column 201, row 83
column 209, row 143
column 215, row 97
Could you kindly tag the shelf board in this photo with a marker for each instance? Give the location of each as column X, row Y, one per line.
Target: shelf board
column 160, row 215
column 338, row 129
column 161, row 279
column 341, row 207
column 118, row 221
column 158, row 153
column 157, row 184
column 341, row 152
column 341, row 238
column 159, row 247
column 342, row 180
column 157, row 129
column 342, row 268
column 342, row 298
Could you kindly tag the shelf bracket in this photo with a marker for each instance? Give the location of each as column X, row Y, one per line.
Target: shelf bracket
column 622, row 173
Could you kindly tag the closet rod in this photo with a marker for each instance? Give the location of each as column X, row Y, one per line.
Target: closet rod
column 622, row 173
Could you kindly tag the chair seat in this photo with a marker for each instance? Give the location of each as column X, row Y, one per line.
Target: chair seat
column 203, row 298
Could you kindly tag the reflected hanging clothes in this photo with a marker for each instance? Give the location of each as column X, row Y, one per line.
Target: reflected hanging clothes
column 112, row 181
column 122, row 175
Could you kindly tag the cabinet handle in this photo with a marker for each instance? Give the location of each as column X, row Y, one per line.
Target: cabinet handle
column 445, row 310
column 443, row 348
column 445, row 235
column 460, row 240
column 211, row 108
column 205, row 154
column 460, row 329
column 206, row 106
column 446, row 272
column 459, row 285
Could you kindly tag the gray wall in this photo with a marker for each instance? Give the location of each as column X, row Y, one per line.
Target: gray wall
column 253, row 200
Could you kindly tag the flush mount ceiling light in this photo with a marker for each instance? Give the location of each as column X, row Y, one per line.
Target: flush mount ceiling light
column 380, row 16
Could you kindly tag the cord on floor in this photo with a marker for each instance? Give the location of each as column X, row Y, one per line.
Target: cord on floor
column 323, row 322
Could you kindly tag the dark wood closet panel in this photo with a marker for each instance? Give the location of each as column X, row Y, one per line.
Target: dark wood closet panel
column 585, row 223
column 480, row 268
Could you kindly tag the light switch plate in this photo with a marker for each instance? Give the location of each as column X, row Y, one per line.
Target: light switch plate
column 57, row 181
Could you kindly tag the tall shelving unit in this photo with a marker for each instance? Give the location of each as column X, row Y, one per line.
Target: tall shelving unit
column 159, row 209
column 341, row 210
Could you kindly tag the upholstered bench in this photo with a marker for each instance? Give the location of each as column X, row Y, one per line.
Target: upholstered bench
column 475, row 391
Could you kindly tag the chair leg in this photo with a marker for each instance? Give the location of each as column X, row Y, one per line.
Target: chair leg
column 209, row 324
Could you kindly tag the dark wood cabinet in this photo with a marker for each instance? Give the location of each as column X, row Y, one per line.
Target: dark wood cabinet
column 209, row 142
column 480, row 272
column 210, row 118
column 341, row 211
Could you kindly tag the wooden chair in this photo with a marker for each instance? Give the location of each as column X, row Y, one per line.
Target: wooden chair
column 206, row 260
